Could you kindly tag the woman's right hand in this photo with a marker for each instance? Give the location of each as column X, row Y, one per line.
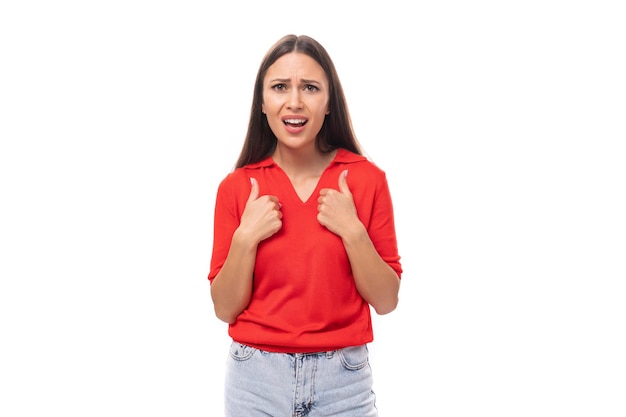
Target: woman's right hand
column 261, row 217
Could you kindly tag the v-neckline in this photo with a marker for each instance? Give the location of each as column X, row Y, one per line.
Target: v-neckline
column 315, row 189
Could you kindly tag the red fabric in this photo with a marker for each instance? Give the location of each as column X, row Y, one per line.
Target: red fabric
column 304, row 296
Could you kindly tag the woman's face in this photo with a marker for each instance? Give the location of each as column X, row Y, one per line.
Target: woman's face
column 295, row 99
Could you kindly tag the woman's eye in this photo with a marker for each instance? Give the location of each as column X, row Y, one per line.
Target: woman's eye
column 311, row 88
column 279, row 87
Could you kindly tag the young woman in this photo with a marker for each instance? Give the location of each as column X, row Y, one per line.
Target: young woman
column 304, row 244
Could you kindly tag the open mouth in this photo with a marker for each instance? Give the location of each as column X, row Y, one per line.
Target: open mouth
column 295, row 122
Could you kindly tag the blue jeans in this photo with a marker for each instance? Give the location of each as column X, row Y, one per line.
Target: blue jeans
column 266, row 384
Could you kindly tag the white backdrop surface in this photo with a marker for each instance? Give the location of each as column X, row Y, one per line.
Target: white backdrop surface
column 501, row 126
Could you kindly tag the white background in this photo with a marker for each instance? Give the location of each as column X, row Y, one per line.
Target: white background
column 500, row 125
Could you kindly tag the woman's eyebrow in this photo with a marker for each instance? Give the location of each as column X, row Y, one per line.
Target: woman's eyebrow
column 288, row 80
column 279, row 80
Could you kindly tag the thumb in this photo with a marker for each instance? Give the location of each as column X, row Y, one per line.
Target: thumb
column 254, row 190
column 343, row 182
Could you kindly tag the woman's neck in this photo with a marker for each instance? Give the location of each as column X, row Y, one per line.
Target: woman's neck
column 299, row 162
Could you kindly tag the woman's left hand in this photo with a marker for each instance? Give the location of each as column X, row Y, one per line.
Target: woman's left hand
column 336, row 210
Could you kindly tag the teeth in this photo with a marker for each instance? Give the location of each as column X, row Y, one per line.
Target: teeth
column 295, row 121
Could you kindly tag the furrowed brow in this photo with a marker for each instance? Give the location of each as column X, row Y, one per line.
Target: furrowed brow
column 280, row 80
column 310, row 82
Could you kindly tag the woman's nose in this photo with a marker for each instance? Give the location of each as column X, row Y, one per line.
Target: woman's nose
column 294, row 99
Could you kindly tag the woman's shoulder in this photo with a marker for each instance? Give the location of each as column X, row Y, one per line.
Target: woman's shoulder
column 240, row 176
column 235, row 178
column 360, row 163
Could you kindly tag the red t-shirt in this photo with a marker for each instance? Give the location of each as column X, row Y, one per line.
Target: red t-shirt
column 304, row 297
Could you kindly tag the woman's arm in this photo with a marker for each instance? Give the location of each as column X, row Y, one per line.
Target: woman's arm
column 376, row 281
column 231, row 289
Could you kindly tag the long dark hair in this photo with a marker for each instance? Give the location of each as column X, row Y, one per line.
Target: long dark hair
column 336, row 132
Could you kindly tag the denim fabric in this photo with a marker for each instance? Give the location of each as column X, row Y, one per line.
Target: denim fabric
column 265, row 384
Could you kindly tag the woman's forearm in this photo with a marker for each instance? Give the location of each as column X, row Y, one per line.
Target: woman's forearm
column 232, row 287
column 375, row 280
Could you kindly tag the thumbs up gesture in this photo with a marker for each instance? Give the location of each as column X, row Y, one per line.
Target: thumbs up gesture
column 336, row 210
column 261, row 217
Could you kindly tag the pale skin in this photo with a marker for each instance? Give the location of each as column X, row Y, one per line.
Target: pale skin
column 295, row 89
